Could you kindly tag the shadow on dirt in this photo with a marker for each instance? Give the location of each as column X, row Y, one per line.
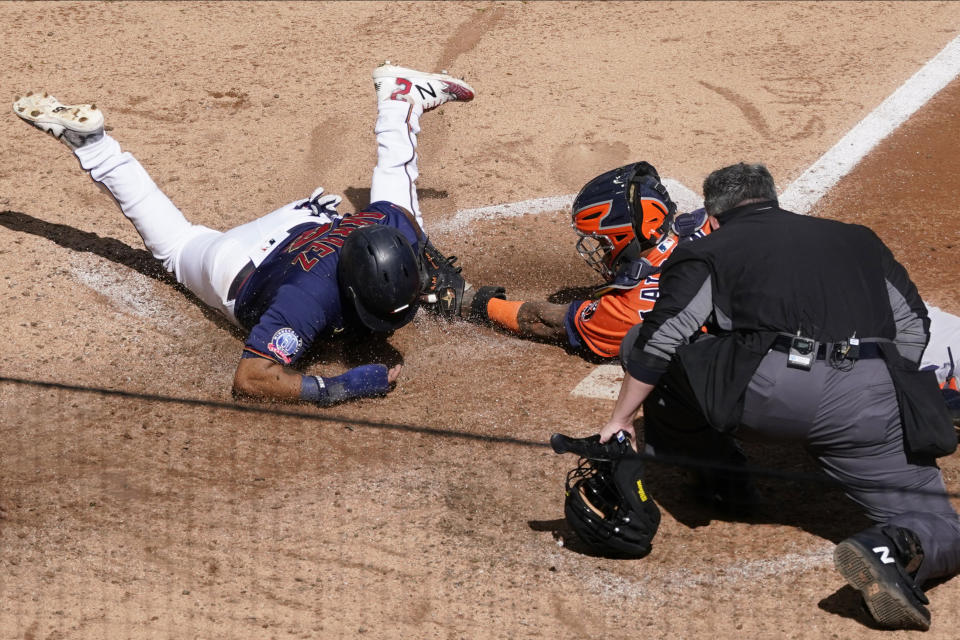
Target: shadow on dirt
column 110, row 249
column 359, row 198
column 792, row 491
column 568, row 295
column 847, row 602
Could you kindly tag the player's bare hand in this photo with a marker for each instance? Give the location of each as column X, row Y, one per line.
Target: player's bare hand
column 393, row 373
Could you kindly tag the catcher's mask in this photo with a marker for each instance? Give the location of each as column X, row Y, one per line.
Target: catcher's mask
column 379, row 273
column 619, row 215
column 608, row 506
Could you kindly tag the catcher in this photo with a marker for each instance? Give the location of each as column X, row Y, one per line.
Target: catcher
column 627, row 226
column 303, row 273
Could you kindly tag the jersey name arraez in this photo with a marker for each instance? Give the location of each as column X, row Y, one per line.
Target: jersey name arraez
column 293, row 298
column 318, row 242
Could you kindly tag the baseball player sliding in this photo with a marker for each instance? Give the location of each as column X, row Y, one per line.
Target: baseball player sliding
column 303, row 272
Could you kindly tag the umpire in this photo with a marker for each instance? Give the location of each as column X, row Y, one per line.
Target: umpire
column 814, row 335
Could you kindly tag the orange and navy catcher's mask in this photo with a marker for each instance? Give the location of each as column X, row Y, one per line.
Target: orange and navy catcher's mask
column 620, row 214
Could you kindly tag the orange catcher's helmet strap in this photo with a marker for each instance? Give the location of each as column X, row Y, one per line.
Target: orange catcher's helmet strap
column 652, row 209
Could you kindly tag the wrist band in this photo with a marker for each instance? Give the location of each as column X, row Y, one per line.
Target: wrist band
column 505, row 313
column 365, row 381
column 313, row 389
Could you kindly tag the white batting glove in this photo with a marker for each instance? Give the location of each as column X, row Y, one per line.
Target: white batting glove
column 323, row 204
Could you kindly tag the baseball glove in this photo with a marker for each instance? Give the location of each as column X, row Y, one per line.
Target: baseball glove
column 441, row 284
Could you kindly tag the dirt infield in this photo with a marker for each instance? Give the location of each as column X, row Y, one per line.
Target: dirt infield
column 140, row 501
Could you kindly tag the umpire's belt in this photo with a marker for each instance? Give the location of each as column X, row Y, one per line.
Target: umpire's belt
column 241, row 278
column 867, row 349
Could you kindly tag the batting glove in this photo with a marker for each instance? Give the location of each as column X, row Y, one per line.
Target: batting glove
column 323, row 205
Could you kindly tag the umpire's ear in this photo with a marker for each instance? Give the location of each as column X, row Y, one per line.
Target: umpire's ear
column 714, row 223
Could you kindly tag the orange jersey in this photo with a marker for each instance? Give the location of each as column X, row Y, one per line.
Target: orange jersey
column 601, row 324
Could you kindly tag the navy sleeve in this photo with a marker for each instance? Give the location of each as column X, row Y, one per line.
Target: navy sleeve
column 288, row 328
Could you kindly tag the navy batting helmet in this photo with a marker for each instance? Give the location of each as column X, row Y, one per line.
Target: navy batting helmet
column 379, row 273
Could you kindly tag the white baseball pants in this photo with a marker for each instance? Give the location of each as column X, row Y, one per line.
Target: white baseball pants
column 206, row 261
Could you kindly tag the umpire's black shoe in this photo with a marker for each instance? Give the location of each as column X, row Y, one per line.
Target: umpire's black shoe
column 879, row 563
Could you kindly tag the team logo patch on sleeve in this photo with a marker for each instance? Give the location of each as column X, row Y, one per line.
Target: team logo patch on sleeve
column 285, row 343
column 588, row 310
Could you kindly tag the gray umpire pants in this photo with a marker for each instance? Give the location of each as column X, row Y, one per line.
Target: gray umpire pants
column 848, row 421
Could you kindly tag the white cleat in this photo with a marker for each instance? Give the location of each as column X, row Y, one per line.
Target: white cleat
column 74, row 125
column 430, row 90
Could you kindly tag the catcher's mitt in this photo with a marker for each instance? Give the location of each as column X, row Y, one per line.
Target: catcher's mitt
column 442, row 285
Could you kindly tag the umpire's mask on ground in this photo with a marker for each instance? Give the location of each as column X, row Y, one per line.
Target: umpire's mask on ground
column 379, row 273
column 608, row 507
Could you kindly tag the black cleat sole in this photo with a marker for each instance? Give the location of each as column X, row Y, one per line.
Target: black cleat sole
column 887, row 601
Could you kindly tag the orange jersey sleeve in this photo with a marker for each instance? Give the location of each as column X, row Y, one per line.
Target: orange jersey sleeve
column 601, row 324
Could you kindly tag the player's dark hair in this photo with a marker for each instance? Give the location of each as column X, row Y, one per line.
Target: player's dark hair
column 728, row 187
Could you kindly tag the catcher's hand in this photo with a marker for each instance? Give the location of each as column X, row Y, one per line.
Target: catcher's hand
column 442, row 285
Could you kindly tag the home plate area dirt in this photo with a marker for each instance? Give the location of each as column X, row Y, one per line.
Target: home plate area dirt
column 140, row 500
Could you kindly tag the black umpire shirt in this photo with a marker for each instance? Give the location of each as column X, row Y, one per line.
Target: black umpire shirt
column 764, row 272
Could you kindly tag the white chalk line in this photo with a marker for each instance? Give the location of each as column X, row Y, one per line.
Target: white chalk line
column 686, row 200
column 837, row 162
column 656, row 585
column 806, row 190
column 130, row 292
